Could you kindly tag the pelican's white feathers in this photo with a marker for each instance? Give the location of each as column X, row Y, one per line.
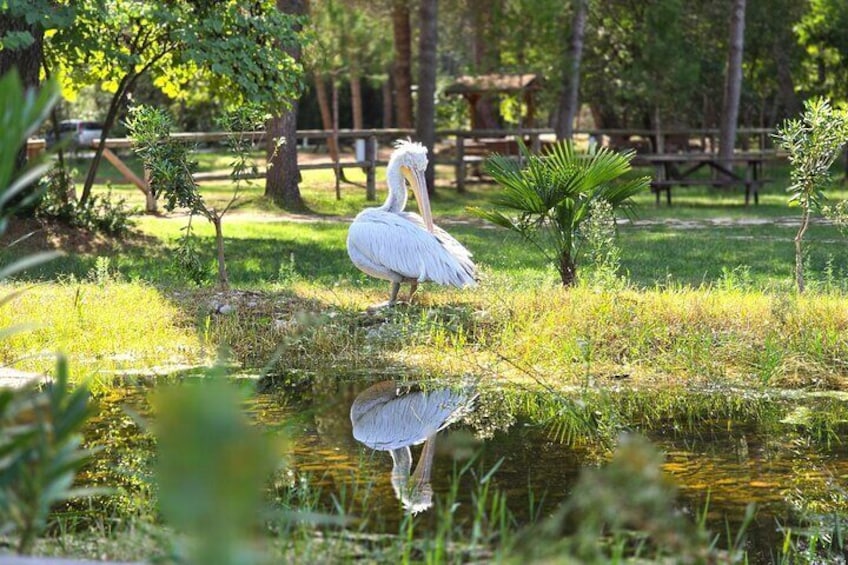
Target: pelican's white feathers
column 388, row 243
column 397, row 248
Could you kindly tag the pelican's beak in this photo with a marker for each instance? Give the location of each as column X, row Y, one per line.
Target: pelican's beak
column 419, row 189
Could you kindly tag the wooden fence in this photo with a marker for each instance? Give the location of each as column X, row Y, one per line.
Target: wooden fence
column 460, row 149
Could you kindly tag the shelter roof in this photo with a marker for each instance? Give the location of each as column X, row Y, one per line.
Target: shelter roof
column 495, row 82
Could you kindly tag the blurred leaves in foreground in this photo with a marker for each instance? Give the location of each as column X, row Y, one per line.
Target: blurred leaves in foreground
column 40, row 453
column 212, row 466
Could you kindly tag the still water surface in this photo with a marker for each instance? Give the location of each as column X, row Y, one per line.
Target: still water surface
column 787, row 454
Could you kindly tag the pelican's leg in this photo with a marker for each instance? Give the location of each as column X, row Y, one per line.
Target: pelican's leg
column 390, row 302
column 413, row 286
column 394, row 293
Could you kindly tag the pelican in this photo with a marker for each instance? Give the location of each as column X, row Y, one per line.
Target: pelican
column 388, row 243
column 388, row 418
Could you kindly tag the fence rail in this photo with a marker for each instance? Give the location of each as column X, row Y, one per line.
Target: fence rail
column 460, row 148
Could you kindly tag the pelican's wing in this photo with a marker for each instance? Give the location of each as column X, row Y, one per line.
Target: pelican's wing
column 388, row 421
column 387, row 243
column 451, row 245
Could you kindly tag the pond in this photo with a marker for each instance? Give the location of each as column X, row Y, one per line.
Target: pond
column 359, row 443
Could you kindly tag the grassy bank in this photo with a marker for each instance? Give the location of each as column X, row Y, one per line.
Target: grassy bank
column 708, row 297
column 103, row 327
column 658, row 337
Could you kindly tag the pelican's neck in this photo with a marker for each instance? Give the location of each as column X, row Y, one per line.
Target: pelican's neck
column 396, row 199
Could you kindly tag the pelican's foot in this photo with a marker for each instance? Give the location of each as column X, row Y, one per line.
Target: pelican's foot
column 374, row 308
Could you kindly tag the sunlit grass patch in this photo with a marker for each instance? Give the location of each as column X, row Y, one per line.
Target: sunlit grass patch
column 100, row 327
column 701, row 337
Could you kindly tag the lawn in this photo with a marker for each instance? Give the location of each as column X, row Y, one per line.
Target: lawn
column 707, row 253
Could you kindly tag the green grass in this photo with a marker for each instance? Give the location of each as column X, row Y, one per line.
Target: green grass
column 102, row 327
column 708, row 252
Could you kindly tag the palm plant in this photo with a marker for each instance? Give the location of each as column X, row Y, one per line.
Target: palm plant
column 551, row 196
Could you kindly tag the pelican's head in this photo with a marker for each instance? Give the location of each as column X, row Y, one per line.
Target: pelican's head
column 412, row 159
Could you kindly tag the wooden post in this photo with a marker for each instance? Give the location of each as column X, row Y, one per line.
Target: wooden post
column 460, row 163
column 371, row 170
column 149, row 198
column 123, row 169
column 535, row 142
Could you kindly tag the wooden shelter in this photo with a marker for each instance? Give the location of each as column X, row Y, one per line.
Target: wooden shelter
column 476, row 88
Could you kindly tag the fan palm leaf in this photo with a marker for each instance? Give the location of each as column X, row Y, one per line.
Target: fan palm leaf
column 551, row 195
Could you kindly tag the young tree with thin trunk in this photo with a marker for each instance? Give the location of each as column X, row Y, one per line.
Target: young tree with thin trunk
column 813, row 143
column 570, row 96
column 733, row 81
column 171, row 169
column 426, row 123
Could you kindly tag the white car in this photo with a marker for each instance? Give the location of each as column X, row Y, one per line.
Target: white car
column 80, row 132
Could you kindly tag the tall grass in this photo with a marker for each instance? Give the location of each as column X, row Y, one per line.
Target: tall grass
column 107, row 326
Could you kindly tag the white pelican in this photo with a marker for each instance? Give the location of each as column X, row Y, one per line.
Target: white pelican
column 397, row 246
column 388, row 418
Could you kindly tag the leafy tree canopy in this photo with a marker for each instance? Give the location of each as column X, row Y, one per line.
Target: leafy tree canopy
column 823, row 32
column 46, row 14
column 232, row 48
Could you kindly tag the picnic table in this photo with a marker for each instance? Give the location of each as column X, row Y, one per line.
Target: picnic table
column 678, row 169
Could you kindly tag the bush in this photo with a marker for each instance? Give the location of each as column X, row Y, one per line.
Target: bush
column 101, row 213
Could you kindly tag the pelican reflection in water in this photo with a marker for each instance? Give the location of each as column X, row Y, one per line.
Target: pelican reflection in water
column 389, row 418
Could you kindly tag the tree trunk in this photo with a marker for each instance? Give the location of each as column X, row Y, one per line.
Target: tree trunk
column 223, row 279
column 282, row 176
column 785, row 84
column 26, row 61
column 356, row 99
column 402, row 67
column 386, row 89
column 326, row 115
column 569, row 97
column 799, row 251
column 108, row 122
column 733, row 81
column 486, row 60
column 426, row 126
column 567, row 269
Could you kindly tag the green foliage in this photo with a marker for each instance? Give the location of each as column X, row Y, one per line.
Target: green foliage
column 347, row 37
column 212, row 464
column 240, row 123
column 45, row 14
column 40, row 444
column 552, row 195
column 813, row 143
column 823, row 33
column 187, row 258
column 602, row 253
column 234, row 52
column 165, row 159
column 101, row 213
column 242, row 52
column 838, row 214
column 21, row 113
column 40, row 452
